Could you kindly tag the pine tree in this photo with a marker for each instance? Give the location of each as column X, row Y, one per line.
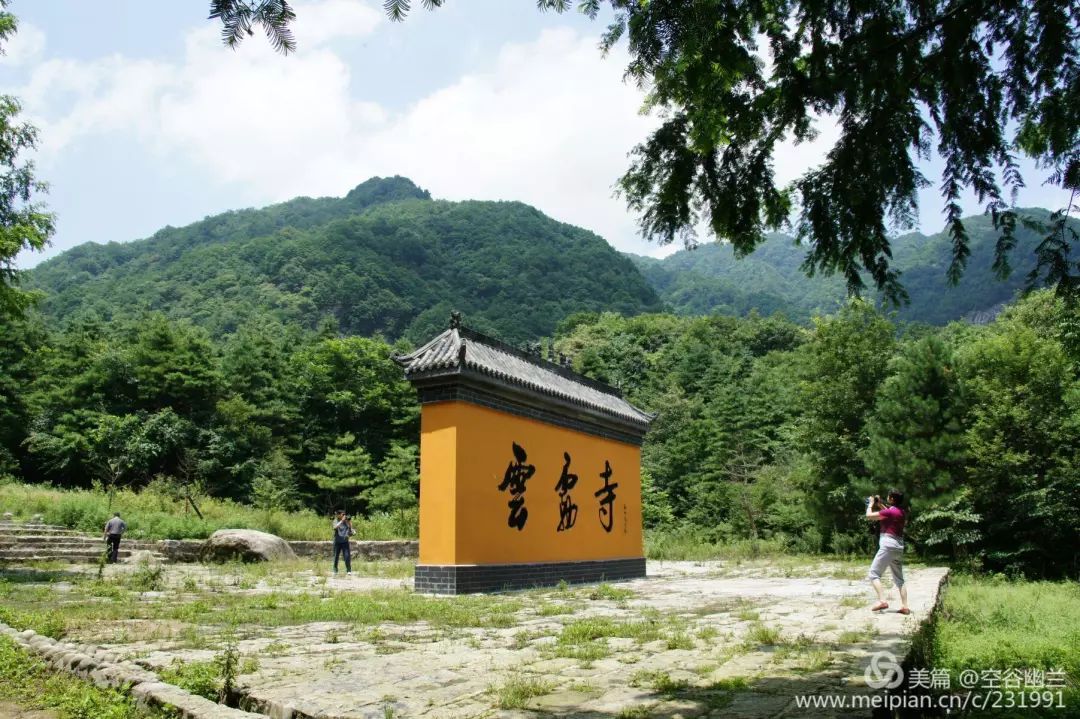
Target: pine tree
column 345, row 470
column 846, row 362
column 916, row 431
column 396, row 481
column 274, row 487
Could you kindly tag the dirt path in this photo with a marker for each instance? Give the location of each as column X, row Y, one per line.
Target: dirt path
column 14, row 711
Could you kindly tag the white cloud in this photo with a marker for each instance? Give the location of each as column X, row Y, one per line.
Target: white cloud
column 25, row 47
column 106, row 95
column 318, row 23
column 548, row 122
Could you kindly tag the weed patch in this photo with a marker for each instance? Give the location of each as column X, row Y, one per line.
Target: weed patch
column 610, row 593
column 28, row 681
column 516, row 691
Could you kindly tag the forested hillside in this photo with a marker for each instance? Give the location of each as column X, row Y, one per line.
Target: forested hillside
column 384, row 259
column 710, row 279
column 387, row 259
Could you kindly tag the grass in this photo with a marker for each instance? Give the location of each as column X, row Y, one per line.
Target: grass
column 30, row 683
column 687, row 544
column 585, row 688
column 761, row 634
column 552, row 609
column 147, row 578
column 47, row 622
column 280, row 571
column 995, row 623
column 814, row 661
column 658, row 681
column 518, row 689
column 21, row 609
column 610, row 593
column 201, row 678
column 587, row 639
column 154, row 514
column 679, row 640
column 586, row 630
column 714, row 696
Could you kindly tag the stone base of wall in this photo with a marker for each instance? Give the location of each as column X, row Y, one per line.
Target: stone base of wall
column 469, row 578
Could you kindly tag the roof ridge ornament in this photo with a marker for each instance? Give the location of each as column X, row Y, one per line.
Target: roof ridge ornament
column 455, row 320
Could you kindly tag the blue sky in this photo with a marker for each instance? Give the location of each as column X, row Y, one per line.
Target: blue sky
column 146, row 120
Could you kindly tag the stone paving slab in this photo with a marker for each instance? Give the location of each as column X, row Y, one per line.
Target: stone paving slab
column 716, row 639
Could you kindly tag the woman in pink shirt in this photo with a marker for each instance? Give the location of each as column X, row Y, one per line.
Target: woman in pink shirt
column 890, row 548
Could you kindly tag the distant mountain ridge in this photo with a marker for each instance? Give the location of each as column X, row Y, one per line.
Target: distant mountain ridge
column 709, row 279
column 385, row 258
column 388, row 259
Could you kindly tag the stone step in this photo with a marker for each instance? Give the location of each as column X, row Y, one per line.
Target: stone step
column 22, row 554
column 64, row 541
column 39, row 529
column 68, row 559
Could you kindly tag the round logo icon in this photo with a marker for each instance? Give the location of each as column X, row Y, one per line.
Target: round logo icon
column 883, row 672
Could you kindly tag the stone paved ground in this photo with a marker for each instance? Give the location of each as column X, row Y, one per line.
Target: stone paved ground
column 692, row 639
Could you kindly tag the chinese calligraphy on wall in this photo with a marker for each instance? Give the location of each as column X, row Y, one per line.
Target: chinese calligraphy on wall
column 518, row 472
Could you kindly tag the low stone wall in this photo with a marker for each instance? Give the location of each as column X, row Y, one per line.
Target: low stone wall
column 180, row 550
column 108, row 670
column 188, row 550
column 363, row 549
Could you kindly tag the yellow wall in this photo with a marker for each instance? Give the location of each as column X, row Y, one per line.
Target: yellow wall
column 438, row 470
column 464, row 454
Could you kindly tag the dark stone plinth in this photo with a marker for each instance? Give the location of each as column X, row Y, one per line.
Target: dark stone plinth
column 469, row 578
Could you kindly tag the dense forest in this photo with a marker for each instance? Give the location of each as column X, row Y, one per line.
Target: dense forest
column 768, row 430
column 773, row 431
column 384, row 259
column 711, row 279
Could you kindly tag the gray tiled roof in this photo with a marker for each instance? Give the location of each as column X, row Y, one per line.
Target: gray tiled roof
column 460, row 350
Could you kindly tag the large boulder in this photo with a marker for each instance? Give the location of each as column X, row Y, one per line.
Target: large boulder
column 245, row 544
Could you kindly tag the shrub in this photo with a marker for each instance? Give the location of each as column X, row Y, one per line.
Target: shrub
column 154, row 513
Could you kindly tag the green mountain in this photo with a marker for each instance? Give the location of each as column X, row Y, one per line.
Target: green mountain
column 710, row 279
column 386, row 259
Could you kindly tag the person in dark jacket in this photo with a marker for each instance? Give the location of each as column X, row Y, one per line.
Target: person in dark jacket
column 343, row 530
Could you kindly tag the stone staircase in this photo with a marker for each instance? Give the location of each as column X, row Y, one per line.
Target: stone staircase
column 37, row 542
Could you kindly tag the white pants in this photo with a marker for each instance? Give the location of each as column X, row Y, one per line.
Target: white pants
column 890, row 554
